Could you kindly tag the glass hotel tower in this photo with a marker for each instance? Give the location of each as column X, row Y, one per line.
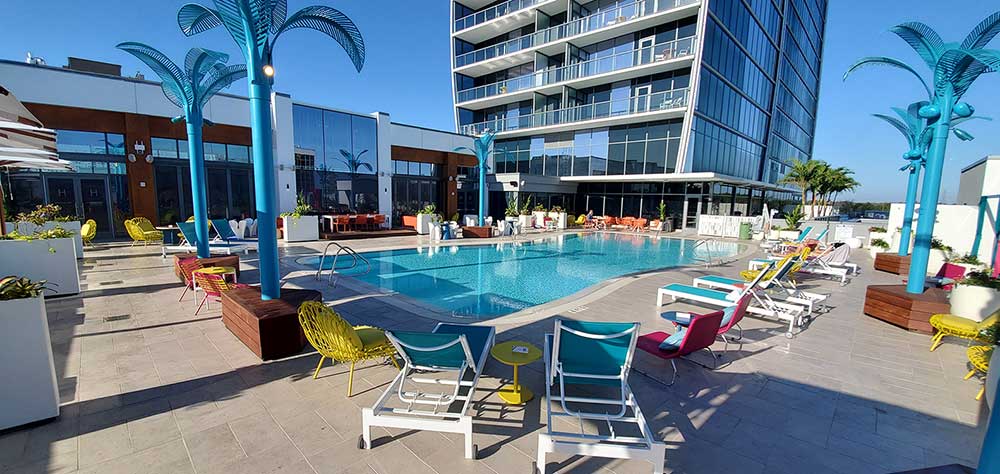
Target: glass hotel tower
column 617, row 105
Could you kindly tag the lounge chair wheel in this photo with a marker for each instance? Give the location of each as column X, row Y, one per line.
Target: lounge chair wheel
column 361, row 442
column 534, row 467
column 789, row 334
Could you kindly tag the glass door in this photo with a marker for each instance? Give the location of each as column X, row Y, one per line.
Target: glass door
column 62, row 192
column 642, row 94
column 645, row 53
column 86, row 197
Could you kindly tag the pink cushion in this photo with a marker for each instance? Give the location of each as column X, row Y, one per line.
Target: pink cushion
column 651, row 344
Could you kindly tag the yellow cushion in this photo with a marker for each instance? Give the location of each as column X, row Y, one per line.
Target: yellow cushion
column 370, row 337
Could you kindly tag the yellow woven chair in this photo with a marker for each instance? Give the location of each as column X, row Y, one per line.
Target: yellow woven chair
column 88, row 231
column 979, row 357
column 750, row 275
column 957, row 326
column 143, row 231
column 134, row 232
column 335, row 338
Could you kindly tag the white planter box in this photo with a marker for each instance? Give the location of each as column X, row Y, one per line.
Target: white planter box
column 424, row 223
column 300, row 229
column 53, row 260
column 31, row 393
column 524, row 222
column 27, row 228
column 895, row 243
column 876, row 250
column 539, row 218
column 935, row 260
column 560, row 218
column 879, row 235
column 974, row 302
column 470, row 220
column 788, row 234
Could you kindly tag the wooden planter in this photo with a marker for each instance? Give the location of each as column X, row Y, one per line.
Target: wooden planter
column 892, row 304
column 891, row 262
column 475, row 232
column 269, row 328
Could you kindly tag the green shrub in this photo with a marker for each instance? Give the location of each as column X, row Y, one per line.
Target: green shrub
column 879, row 243
column 15, row 288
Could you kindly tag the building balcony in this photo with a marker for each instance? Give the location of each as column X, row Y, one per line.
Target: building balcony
column 666, row 56
column 505, row 16
column 640, row 108
column 599, row 26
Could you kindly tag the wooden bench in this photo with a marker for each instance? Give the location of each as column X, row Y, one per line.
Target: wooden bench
column 269, row 328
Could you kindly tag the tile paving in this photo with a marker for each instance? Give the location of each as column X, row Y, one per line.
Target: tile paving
column 166, row 391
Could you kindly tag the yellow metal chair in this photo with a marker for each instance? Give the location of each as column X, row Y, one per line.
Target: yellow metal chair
column 979, row 357
column 141, row 230
column 335, row 338
column 957, row 326
column 88, row 231
column 750, row 275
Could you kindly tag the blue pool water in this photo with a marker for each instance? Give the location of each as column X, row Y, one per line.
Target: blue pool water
column 493, row 280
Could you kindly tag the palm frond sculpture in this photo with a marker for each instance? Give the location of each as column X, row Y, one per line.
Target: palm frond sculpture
column 205, row 73
column 482, row 147
column 255, row 26
column 954, row 68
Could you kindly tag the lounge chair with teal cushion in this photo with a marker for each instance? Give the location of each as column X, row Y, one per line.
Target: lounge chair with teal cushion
column 777, row 281
column 224, row 232
column 452, row 356
column 189, row 242
column 763, row 305
column 586, row 366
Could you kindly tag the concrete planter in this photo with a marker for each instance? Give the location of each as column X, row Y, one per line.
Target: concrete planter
column 896, row 239
column 539, row 218
column 27, row 228
column 524, row 222
column 52, row 260
column 424, row 223
column 974, row 302
column 560, row 218
column 991, row 379
column 879, row 235
column 876, row 250
column 32, row 393
column 935, row 260
column 784, row 234
column 301, row 229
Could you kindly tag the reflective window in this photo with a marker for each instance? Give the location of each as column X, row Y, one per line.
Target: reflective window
column 73, row 141
column 116, row 144
column 214, row 151
column 164, row 147
column 238, row 153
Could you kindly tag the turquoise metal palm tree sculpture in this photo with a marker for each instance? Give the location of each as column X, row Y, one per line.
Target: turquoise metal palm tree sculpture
column 483, row 146
column 955, row 67
column 918, row 135
column 256, row 25
column 205, row 73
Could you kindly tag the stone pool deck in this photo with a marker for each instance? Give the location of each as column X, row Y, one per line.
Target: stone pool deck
column 149, row 387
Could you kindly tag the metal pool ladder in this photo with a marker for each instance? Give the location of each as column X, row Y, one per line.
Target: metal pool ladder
column 341, row 250
column 710, row 257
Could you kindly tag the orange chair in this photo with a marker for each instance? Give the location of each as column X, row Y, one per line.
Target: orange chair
column 362, row 222
column 640, row 225
column 342, row 223
column 186, row 267
column 379, row 222
column 214, row 285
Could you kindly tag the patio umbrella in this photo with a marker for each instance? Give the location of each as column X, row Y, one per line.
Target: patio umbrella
column 24, row 142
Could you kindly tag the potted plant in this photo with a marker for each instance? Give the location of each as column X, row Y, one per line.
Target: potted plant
column 298, row 225
column 32, row 393
column 792, row 220
column 52, row 257
column 975, row 297
column 539, row 214
column 524, row 219
column 878, row 245
column 559, row 215
column 425, row 217
column 47, row 217
column 938, row 256
column 970, row 262
column 878, row 233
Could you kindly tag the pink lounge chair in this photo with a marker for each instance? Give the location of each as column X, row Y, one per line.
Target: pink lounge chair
column 700, row 334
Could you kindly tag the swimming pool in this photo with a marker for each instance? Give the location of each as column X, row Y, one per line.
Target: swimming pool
column 493, row 280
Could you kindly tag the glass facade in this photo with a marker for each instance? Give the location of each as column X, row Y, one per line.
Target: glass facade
column 228, row 176
column 336, row 159
column 415, row 185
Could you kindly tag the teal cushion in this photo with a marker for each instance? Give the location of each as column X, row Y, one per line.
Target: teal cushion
column 673, row 342
column 727, row 314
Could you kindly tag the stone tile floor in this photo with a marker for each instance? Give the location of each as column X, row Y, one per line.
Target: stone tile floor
column 166, row 391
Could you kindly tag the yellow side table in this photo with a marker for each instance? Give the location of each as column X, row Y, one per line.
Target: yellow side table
column 515, row 353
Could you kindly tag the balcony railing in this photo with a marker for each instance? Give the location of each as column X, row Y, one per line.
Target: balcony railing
column 643, row 103
column 596, row 21
column 493, row 13
column 593, row 67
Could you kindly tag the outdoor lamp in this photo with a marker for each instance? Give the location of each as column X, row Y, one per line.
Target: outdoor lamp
column 963, row 109
column 269, row 70
column 930, row 111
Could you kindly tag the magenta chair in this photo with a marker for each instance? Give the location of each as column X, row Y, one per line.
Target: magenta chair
column 946, row 276
column 700, row 334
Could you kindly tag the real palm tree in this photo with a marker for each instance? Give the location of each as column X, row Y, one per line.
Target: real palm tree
column 255, row 26
column 801, row 173
column 955, row 67
column 205, row 73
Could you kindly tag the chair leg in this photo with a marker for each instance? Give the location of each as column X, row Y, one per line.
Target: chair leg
column 979, row 396
column 970, row 374
column 674, row 378
column 319, row 366
column 350, row 381
column 394, row 363
column 936, row 340
column 203, row 300
column 182, row 294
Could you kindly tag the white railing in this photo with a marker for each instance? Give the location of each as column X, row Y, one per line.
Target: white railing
column 493, row 13
column 627, row 59
column 666, row 100
column 722, row 226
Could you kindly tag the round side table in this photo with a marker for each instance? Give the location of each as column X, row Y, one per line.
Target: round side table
column 514, row 393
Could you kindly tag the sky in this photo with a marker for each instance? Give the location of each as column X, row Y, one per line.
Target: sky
column 407, row 70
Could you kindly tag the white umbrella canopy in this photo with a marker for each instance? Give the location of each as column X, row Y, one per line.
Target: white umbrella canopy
column 24, row 142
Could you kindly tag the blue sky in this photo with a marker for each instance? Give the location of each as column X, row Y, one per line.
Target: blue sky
column 407, row 69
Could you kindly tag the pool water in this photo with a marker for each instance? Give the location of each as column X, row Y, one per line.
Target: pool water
column 493, row 280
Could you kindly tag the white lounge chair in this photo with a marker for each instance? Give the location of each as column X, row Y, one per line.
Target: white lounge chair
column 779, row 281
column 456, row 354
column 581, row 355
column 833, row 263
column 765, row 306
column 188, row 240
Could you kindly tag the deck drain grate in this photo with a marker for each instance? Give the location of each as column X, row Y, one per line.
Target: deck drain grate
column 111, row 282
column 120, row 317
column 578, row 309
